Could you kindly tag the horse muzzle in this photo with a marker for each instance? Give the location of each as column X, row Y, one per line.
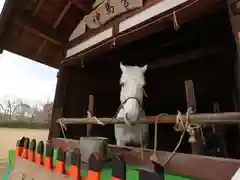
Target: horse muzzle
column 131, row 119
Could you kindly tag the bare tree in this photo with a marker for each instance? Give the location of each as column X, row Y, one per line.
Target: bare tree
column 47, row 109
column 43, row 111
column 36, row 111
column 10, row 108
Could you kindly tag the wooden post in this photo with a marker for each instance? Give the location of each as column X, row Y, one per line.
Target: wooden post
column 91, row 110
column 191, row 102
column 234, row 19
column 59, row 99
column 236, row 105
column 220, row 129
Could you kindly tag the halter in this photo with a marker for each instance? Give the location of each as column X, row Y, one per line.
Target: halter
column 124, row 102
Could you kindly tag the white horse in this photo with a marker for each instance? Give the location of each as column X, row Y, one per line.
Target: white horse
column 132, row 92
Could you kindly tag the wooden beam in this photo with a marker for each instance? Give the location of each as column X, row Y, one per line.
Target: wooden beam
column 200, row 167
column 84, row 5
column 202, row 118
column 186, row 56
column 62, row 14
column 39, row 4
column 5, row 14
column 40, row 49
column 39, row 28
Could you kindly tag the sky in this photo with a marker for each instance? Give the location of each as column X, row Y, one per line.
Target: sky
column 25, row 79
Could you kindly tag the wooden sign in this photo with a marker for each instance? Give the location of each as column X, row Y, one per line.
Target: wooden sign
column 104, row 12
column 235, row 7
column 234, row 17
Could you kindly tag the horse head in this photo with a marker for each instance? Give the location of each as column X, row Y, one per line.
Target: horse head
column 132, row 83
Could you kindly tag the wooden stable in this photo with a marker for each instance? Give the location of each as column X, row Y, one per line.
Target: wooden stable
column 191, row 48
column 94, row 55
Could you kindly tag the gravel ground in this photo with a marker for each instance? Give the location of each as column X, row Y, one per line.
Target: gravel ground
column 8, row 139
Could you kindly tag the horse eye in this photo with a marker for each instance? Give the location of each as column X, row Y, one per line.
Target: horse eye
column 122, row 84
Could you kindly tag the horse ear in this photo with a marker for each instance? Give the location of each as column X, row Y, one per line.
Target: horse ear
column 144, row 68
column 122, row 66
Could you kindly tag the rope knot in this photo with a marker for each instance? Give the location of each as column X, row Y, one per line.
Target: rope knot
column 185, row 126
column 89, row 115
column 63, row 127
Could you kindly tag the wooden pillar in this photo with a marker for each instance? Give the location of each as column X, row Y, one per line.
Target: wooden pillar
column 60, row 94
column 220, row 129
column 234, row 18
column 91, row 110
column 191, row 102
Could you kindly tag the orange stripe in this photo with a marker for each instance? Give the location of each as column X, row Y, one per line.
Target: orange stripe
column 31, row 156
column 18, row 151
column 114, row 178
column 74, row 172
column 92, row 175
column 25, row 153
column 39, row 159
column 48, row 163
column 59, row 166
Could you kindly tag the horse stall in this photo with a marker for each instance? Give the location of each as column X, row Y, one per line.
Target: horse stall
column 192, row 93
column 190, row 50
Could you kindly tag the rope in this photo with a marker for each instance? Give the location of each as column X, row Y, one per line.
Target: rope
column 144, row 93
column 89, row 115
column 119, row 108
column 154, row 156
column 175, row 22
column 113, row 40
column 183, row 127
column 63, row 128
column 213, row 128
column 202, row 135
column 180, row 126
column 100, row 122
column 62, row 14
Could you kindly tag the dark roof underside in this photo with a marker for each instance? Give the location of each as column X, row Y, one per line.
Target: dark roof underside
column 39, row 29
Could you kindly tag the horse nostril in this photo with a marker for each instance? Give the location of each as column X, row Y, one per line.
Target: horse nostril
column 127, row 120
column 127, row 116
column 130, row 119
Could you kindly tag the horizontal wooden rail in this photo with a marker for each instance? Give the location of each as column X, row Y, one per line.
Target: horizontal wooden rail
column 203, row 118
